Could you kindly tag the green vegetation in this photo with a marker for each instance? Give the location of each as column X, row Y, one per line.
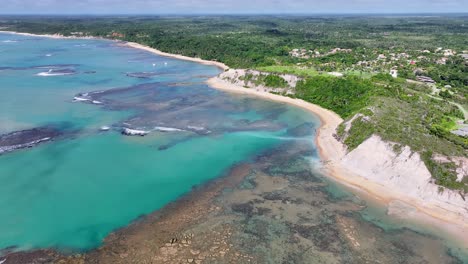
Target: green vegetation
column 397, row 148
column 396, row 111
column 345, row 96
column 444, row 173
column 359, row 132
column 341, row 130
column 275, row 81
column 364, row 49
column 268, row 80
column 294, row 70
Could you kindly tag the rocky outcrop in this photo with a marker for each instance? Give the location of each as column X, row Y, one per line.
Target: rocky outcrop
column 26, row 138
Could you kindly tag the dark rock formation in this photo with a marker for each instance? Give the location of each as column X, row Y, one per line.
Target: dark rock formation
column 26, row 138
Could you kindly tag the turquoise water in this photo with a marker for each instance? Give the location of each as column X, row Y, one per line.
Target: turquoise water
column 72, row 192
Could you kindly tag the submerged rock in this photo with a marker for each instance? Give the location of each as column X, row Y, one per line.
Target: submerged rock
column 142, row 75
column 26, row 138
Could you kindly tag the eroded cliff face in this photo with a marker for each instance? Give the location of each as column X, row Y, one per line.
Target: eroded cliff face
column 405, row 172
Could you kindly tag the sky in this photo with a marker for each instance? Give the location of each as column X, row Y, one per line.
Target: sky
column 230, row 6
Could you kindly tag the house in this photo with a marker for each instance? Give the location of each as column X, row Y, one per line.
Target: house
column 336, row 50
column 442, row 61
column 449, row 52
column 300, row 53
column 381, row 57
column 403, row 55
column 117, row 35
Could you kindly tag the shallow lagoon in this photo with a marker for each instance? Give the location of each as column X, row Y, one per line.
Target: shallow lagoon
column 70, row 193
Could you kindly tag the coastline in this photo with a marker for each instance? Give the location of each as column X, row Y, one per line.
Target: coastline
column 128, row 44
column 330, row 150
column 54, row 36
column 175, row 56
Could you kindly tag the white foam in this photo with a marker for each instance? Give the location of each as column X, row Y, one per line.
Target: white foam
column 134, row 132
column 48, row 55
column 96, row 102
column 80, row 99
column 167, row 129
column 197, row 128
column 49, row 73
column 9, row 41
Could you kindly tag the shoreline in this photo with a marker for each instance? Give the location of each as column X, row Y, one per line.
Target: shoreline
column 330, row 151
column 53, row 36
column 134, row 45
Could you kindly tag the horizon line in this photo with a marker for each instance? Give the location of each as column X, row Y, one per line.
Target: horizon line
column 236, row 14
